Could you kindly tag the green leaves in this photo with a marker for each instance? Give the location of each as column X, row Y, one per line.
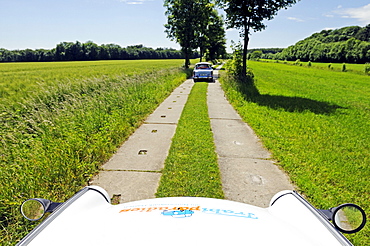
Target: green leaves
column 346, row 44
column 248, row 15
column 189, row 23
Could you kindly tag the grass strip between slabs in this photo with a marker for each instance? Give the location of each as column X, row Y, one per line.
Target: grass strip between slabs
column 191, row 168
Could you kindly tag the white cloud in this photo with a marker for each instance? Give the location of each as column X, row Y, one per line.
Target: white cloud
column 361, row 13
column 134, row 2
column 295, row 19
column 330, row 28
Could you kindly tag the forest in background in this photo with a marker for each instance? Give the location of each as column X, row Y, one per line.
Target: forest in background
column 348, row 44
column 89, row 51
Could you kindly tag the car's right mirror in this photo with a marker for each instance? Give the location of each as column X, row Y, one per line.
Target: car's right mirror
column 349, row 218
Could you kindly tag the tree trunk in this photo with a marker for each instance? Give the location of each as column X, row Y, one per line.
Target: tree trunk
column 187, row 57
column 187, row 61
column 245, row 50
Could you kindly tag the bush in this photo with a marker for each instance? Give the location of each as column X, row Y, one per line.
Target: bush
column 234, row 66
column 367, row 68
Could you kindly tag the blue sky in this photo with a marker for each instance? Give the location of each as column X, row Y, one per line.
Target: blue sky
column 44, row 23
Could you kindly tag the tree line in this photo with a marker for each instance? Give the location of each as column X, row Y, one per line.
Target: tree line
column 196, row 23
column 77, row 51
column 348, row 44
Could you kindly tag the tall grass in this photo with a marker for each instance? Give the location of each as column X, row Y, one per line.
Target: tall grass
column 19, row 81
column 317, row 125
column 53, row 140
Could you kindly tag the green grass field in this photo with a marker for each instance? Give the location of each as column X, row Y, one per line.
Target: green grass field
column 60, row 121
column 335, row 67
column 316, row 123
column 19, row 81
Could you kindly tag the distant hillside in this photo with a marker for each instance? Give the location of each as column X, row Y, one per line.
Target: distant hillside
column 348, row 44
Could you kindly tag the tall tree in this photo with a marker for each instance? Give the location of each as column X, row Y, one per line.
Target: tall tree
column 216, row 44
column 248, row 15
column 187, row 22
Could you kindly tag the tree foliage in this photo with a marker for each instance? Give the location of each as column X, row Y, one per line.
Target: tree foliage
column 195, row 24
column 69, row 51
column 248, row 15
column 187, row 21
column 216, row 43
column 349, row 44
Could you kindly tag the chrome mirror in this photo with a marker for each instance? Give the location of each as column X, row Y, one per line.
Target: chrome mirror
column 35, row 208
column 349, row 218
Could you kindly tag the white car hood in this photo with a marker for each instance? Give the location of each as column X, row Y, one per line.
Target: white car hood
column 91, row 220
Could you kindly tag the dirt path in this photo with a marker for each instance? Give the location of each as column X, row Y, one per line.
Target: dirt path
column 248, row 173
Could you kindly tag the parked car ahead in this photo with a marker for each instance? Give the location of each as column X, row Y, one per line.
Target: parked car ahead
column 203, row 71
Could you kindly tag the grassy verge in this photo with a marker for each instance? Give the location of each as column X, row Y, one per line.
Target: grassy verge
column 53, row 142
column 191, row 167
column 316, row 123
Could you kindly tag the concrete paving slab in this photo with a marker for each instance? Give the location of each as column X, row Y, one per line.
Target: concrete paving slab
column 184, row 88
column 218, row 95
column 234, row 138
column 170, row 110
column 248, row 174
column 218, row 106
column 146, row 149
column 252, row 181
column 130, row 186
column 166, row 114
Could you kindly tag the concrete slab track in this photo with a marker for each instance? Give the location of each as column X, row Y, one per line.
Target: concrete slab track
column 133, row 172
column 248, row 173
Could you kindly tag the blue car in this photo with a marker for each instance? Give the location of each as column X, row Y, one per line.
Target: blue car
column 203, row 71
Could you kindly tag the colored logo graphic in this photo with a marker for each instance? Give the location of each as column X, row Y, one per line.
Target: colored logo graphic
column 178, row 213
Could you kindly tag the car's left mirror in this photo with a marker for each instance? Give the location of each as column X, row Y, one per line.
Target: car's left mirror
column 35, row 208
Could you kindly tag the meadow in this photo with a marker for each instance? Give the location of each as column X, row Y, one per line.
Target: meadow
column 20, row 81
column 60, row 121
column 316, row 123
column 337, row 67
